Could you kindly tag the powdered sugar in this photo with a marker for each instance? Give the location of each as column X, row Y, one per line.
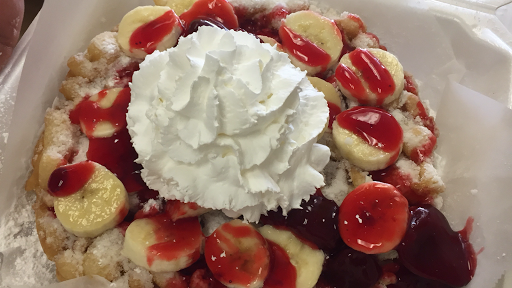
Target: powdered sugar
column 24, row 261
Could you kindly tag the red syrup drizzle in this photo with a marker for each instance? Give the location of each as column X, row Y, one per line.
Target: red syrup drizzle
column 116, row 153
column 304, row 50
column 403, row 182
column 88, row 113
column 334, row 110
column 282, row 272
column 174, row 238
column 262, row 25
column 375, row 74
column 69, row 179
column 220, row 10
column 431, row 249
column 374, row 125
column 148, row 36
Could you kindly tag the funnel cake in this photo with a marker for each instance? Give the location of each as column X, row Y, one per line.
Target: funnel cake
column 98, row 213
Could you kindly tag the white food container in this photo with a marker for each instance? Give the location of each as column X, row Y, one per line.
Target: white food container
column 441, row 43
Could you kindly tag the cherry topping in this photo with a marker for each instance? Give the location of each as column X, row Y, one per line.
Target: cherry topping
column 350, row 268
column 317, row 222
column 406, row 279
column 220, row 10
column 148, row 36
column 303, row 49
column 431, row 249
column 69, row 179
column 373, row 218
column 283, row 273
column 203, row 21
column 374, row 125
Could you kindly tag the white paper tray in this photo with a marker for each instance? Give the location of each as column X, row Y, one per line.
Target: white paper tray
column 436, row 41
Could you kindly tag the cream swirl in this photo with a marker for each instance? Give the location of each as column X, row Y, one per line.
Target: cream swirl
column 229, row 123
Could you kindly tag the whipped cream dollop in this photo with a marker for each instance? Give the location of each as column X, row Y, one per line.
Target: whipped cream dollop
column 229, row 123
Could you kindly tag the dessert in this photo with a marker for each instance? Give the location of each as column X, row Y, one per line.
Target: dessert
column 214, row 144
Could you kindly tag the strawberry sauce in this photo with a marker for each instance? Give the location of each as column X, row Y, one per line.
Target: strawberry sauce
column 301, row 48
column 374, row 125
column 374, row 73
column 283, row 273
column 219, row 10
column 69, row 179
column 148, row 36
column 334, row 110
column 175, row 239
column 88, row 113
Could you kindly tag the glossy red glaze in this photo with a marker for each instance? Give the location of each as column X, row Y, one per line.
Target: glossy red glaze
column 229, row 261
column 303, row 49
column 334, row 110
column 351, row 82
column 403, row 182
column 409, row 85
column 373, row 218
column 148, row 36
column 431, row 249
column 262, row 24
column 283, row 273
column 374, row 125
column 421, row 153
column 175, row 239
column 69, row 179
column 220, row 10
column 376, row 75
column 358, row 20
column 88, row 113
column 118, row 155
column 177, row 209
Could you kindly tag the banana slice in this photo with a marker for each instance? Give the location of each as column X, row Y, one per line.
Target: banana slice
column 312, row 41
column 273, row 42
column 370, row 76
column 176, row 209
column 148, row 28
column 96, row 200
column 308, row 261
column 368, row 137
column 331, row 96
column 237, row 255
column 179, row 6
column 161, row 245
column 103, row 114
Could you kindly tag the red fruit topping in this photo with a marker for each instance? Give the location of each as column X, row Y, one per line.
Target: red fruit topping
column 347, row 47
column 117, row 154
column 283, row 273
column 376, row 75
column 403, row 182
column 431, row 249
column 373, row 218
column 303, row 49
column 148, row 36
column 409, row 85
column 69, row 179
column 220, row 10
column 177, row 281
column 358, row 20
column 202, row 21
column 316, row 222
column 406, row 279
column 334, row 110
column 332, row 79
column 263, row 24
column 421, row 153
column 123, row 226
column 124, row 75
column 174, row 238
column 237, row 254
column 350, row 268
column 89, row 113
column 177, row 209
column 374, row 125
